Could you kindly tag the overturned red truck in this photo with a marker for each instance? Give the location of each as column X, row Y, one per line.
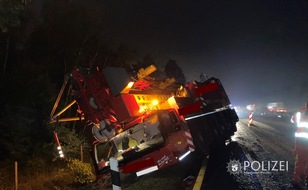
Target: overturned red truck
column 147, row 123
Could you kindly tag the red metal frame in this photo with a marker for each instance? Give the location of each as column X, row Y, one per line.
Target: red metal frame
column 94, row 86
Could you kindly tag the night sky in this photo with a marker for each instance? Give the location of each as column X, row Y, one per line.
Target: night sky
column 258, row 48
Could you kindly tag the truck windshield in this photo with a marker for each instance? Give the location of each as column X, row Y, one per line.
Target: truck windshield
column 170, row 123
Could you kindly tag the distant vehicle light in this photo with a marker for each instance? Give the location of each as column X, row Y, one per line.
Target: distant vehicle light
column 251, row 107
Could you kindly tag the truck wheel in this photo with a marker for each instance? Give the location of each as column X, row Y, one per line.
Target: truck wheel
column 200, row 141
column 201, row 146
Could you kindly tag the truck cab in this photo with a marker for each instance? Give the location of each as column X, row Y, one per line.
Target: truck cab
column 162, row 132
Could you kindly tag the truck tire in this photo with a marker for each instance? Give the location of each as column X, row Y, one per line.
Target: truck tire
column 200, row 144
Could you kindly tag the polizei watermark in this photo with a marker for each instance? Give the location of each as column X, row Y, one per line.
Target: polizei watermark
column 264, row 167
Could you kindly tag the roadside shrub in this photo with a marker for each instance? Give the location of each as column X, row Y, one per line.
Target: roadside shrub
column 36, row 164
column 82, row 171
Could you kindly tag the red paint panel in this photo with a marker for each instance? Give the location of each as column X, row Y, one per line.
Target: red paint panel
column 207, row 88
column 55, row 134
column 137, row 166
column 125, row 107
column 177, row 141
column 193, row 108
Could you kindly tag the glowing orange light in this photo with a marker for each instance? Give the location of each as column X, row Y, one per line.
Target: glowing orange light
column 155, row 102
column 130, row 84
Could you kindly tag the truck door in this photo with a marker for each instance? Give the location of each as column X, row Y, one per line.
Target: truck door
column 173, row 131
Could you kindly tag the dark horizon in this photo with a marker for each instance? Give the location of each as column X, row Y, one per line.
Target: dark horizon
column 257, row 48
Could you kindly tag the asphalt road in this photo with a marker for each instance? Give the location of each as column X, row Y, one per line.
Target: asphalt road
column 272, row 139
column 268, row 142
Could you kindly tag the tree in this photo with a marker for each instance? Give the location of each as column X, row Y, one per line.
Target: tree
column 25, row 96
column 173, row 70
column 42, row 50
column 10, row 13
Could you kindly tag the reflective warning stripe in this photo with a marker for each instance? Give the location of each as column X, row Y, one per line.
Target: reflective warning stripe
column 115, row 173
column 298, row 117
column 189, row 140
column 250, row 118
column 301, row 135
column 302, row 125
